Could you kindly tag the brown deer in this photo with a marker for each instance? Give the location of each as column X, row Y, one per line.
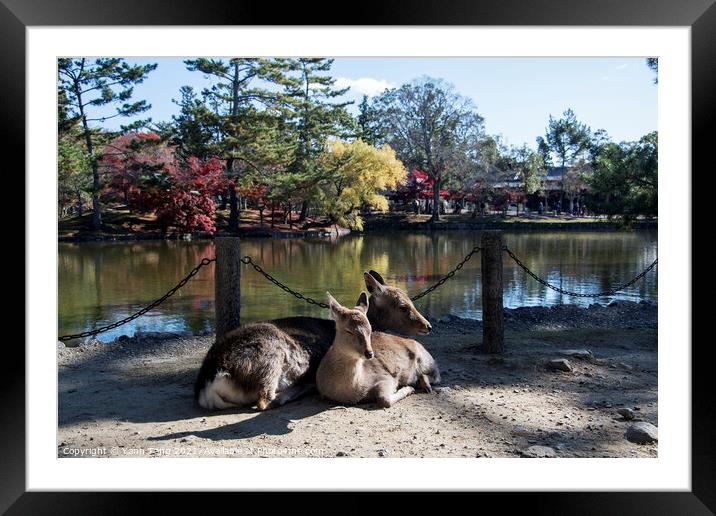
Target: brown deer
column 363, row 366
column 271, row 363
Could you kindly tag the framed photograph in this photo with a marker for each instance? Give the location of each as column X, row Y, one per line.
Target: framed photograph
column 404, row 254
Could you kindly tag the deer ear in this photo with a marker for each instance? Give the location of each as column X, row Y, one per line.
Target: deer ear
column 378, row 277
column 362, row 303
column 372, row 284
column 334, row 307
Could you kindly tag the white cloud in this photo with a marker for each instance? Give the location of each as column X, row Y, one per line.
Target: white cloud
column 365, row 85
column 622, row 66
column 605, row 77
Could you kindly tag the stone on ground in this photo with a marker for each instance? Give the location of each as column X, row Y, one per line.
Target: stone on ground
column 626, row 413
column 642, row 433
column 539, row 452
column 560, row 364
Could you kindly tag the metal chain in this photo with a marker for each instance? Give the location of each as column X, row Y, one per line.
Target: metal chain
column 449, row 275
column 205, row 261
column 577, row 294
column 248, row 261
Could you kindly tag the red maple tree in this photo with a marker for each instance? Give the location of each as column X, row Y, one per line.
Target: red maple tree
column 152, row 177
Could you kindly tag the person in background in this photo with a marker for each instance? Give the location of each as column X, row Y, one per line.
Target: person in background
column 540, row 208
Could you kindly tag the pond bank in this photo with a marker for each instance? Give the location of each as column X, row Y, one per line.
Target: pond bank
column 134, row 397
column 401, row 222
column 121, row 225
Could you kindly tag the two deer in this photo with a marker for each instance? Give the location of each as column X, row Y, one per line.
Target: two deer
column 274, row 362
column 363, row 365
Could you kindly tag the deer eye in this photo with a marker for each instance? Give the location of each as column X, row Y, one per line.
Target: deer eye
column 405, row 308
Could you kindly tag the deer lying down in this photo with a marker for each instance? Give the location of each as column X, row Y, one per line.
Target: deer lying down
column 274, row 362
column 363, row 366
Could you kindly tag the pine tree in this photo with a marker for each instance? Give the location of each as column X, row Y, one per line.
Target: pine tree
column 316, row 116
column 84, row 84
column 242, row 85
column 567, row 139
column 194, row 129
column 369, row 129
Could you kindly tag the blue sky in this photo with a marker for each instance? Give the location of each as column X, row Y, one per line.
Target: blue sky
column 516, row 96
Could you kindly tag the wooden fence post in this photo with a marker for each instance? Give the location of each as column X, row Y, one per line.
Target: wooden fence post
column 227, row 285
column 493, row 324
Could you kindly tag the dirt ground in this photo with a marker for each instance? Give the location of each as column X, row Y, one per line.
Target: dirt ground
column 134, row 397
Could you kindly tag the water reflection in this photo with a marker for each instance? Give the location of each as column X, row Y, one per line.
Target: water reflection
column 100, row 283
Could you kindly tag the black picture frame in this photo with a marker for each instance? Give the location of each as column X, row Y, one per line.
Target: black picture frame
column 699, row 15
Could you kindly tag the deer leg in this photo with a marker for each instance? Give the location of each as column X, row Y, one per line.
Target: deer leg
column 385, row 397
column 292, row 393
column 424, row 383
column 267, row 394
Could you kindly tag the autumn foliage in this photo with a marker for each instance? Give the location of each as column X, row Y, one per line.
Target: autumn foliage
column 151, row 177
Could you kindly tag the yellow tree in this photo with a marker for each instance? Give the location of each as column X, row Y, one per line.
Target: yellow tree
column 359, row 175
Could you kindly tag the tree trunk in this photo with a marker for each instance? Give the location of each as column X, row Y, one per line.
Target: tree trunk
column 96, row 208
column 233, row 200
column 96, row 185
column 436, row 201
column 273, row 213
column 561, row 196
column 80, row 210
column 234, row 215
column 304, row 211
column 233, row 212
column 289, row 219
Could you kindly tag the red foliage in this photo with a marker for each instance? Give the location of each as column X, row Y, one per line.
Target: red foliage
column 187, row 212
column 188, row 203
column 255, row 193
column 130, row 160
column 153, row 178
column 418, row 186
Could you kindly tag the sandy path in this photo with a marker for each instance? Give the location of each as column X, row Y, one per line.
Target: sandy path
column 135, row 397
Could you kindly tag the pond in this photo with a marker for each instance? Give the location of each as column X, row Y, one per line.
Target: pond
column 102, row 282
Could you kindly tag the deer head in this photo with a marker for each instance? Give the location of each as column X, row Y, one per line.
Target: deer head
column 352, row 326
column 391, row 308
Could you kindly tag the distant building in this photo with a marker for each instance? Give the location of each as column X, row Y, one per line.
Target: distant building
column 552, row 180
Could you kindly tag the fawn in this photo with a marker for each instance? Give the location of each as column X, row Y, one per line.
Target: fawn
column 364, row 366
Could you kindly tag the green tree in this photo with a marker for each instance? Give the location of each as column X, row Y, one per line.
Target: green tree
column 86, row 84
column 624, row 181
column 566, row 139
column 74, row 172
column 194, row 130
column 316, row 115
column 369, row 128
column 433, row 128
column 653, row 64
column 240, row 85
column 488, row 165
column 530, row 169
